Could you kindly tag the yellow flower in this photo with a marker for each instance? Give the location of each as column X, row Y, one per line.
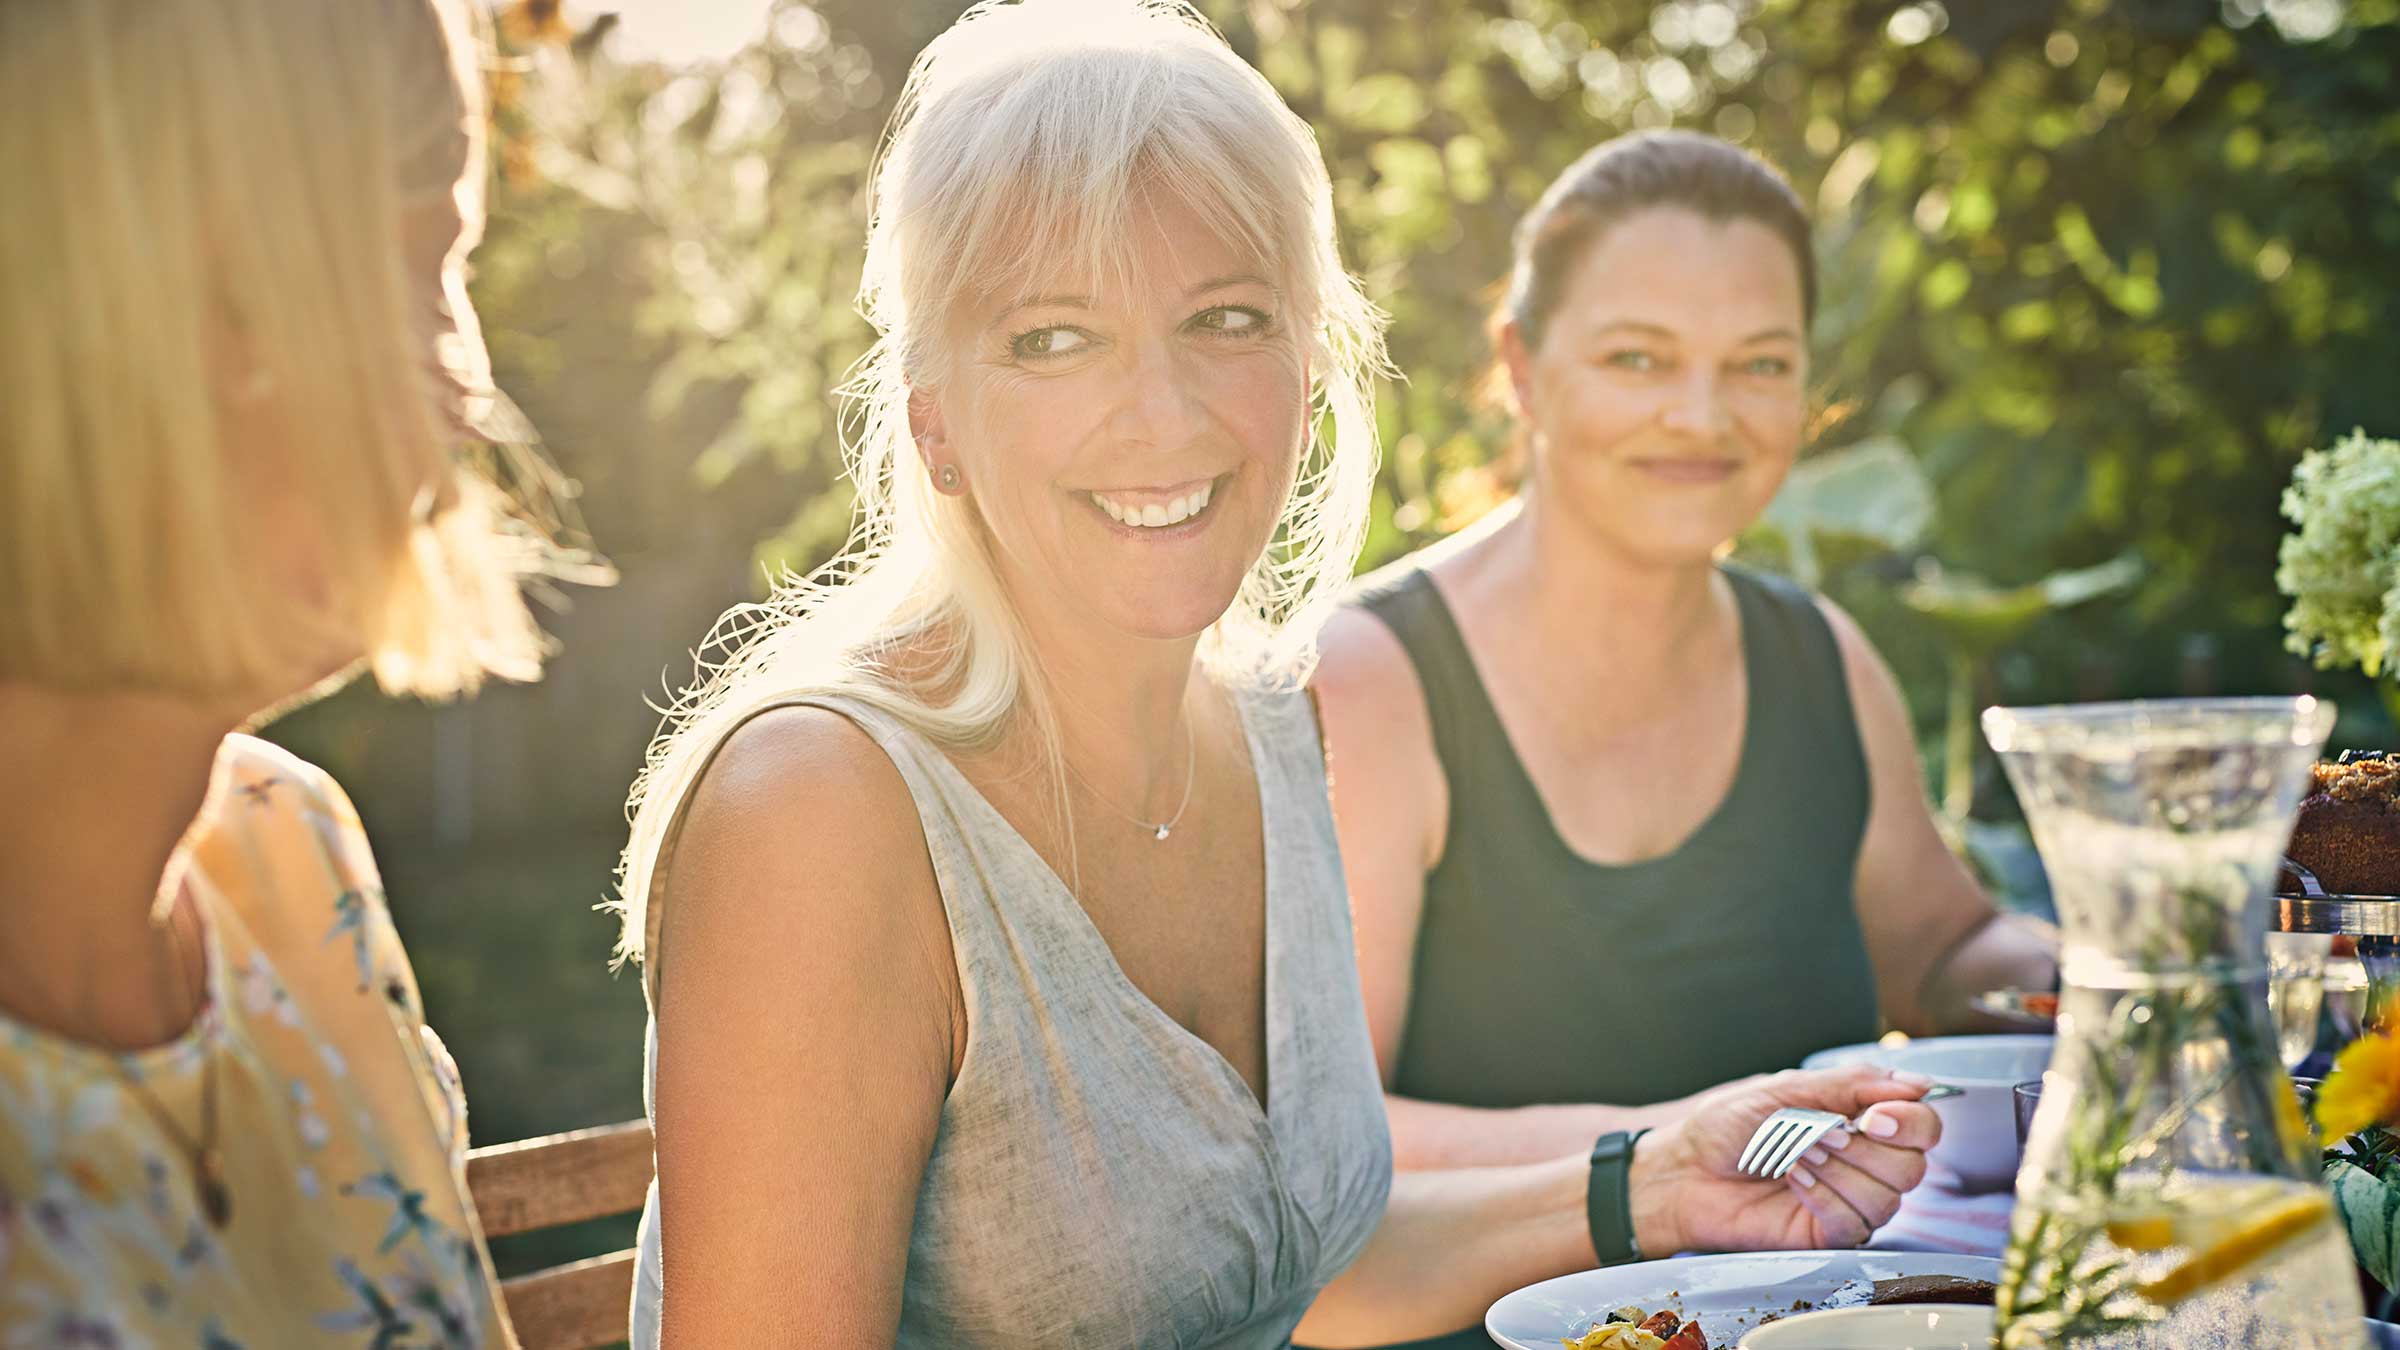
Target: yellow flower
column 2291, row 1127
column 2363, row 1089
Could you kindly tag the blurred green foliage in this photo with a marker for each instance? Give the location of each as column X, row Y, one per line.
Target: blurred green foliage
column 2104, row 268
column 2100, row 269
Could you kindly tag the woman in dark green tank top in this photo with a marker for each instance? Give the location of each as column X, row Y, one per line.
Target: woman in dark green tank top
column 1718, row 935
column 1621, row 822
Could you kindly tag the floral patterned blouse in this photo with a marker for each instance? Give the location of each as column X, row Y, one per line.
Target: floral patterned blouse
column 340, row 1128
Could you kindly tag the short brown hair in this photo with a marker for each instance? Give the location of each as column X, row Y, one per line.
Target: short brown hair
column 1648, row 169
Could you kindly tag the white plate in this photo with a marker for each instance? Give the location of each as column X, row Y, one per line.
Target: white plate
column 1919, row 1327
column 1728, row 1294
column 1979, row 1128
column 1967, row 1061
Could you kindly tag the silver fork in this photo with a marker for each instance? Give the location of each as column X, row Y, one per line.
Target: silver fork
column 1782, row 1138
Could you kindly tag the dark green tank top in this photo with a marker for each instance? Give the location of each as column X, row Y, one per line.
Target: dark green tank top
column 1542, row 976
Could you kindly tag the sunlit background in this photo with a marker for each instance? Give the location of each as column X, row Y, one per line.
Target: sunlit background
column 2096, row 273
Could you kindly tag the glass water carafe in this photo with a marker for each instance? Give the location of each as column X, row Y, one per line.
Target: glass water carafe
column 2169, row 1198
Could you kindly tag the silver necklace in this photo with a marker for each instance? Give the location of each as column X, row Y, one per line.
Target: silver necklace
column 1156, row 829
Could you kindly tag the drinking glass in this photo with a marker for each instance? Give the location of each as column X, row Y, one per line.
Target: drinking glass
column 2296, row 990
column 2027, row 1098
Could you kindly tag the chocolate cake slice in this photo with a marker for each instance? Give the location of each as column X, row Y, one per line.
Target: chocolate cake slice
column 1933, row 1289
column 2349, row 828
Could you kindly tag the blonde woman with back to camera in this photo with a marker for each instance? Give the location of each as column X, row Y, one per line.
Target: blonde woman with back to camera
column 240, row 365
column 987, row 892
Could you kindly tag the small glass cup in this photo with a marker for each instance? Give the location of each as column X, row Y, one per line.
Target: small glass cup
column 2296, row 991
column 2027, row 1097
column 2346, row 998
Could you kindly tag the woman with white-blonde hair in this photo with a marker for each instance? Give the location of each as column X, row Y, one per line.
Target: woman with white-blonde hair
column 986, row 890
column 237, row 464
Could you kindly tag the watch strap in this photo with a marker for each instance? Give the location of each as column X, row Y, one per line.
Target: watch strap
column 1608, row 1198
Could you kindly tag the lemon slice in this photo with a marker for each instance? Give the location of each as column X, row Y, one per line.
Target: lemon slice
column 2151, row 1232
column 2239, row 1243
column 2195, row 1221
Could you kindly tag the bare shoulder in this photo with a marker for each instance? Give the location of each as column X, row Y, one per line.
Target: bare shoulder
column 1881, row 710
column 800, row 837
column 1390, row 796
column 1873, row 690
column 1362, row 664
column 1846, row 633
column 799, row 758
column 1374, row 711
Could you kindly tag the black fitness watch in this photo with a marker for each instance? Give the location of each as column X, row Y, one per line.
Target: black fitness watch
column 1608, row 1198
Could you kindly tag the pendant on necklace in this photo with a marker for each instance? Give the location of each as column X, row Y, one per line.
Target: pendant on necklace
column 208, row 1181
column 1162, row 832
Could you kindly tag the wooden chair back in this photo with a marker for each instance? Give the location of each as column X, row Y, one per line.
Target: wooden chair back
column 557, row 1179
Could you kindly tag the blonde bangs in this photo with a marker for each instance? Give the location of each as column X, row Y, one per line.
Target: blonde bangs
column 244, row 201
column 995, row 186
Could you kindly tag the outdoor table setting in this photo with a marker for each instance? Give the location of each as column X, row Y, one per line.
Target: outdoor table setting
column 2145, row 1175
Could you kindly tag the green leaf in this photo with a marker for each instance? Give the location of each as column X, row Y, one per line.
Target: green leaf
column 1945, row 285
column 1470, row 165
column 2065, row 590
column 2242, row 146
column 1405, row 162
column 1873, row 492
column 1980, row 618
column 2370, row 1209
column 2027, row 320
column 2138, row 296
column 1972, row 210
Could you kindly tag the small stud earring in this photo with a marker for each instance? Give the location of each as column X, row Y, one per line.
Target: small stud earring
column 946, row 477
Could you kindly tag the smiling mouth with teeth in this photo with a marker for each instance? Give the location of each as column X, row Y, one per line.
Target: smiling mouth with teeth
column 1156, row 514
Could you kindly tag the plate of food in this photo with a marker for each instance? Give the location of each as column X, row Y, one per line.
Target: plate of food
column 1714, row 1300
column 2030, row 1007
